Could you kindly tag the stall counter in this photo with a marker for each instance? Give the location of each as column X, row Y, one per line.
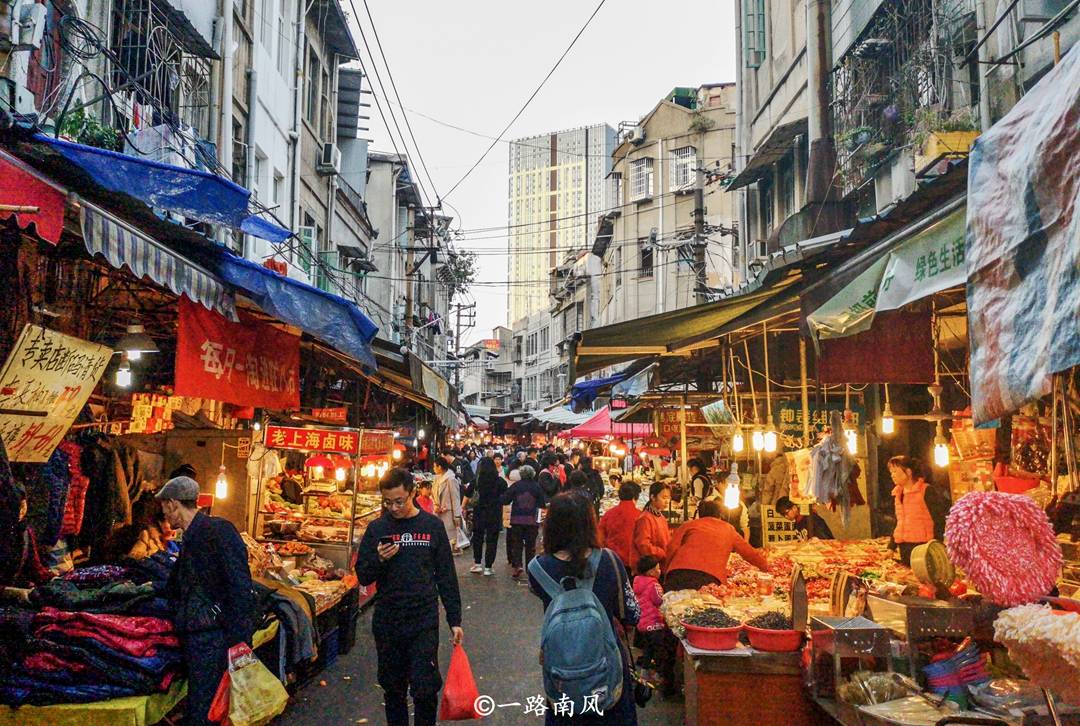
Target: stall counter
column 746, row 686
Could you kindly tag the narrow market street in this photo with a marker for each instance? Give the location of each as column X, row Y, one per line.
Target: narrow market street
column 502, row 625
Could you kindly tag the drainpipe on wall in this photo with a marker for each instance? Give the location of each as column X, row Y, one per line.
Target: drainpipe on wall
column 819, row 173
column 252, row 101
column 225, row 145
column 984, row 57
column 741, row 114
column 294, row 134
column 658, row 254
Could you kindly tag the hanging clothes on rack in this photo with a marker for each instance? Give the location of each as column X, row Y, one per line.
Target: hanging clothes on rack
column 832, row 469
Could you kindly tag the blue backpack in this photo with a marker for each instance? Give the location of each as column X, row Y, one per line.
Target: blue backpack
column 580, row 655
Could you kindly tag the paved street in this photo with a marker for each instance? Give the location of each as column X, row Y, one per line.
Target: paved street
column 502, row 627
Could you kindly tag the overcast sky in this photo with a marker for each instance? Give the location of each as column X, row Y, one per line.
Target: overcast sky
column 472, row 64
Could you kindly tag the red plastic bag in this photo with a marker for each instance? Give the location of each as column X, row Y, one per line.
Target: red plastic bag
column 219, row 707
column 460, row 692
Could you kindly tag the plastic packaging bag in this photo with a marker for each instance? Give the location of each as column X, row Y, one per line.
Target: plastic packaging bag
column 219, row 707
column 460, row 692
column 255, row 695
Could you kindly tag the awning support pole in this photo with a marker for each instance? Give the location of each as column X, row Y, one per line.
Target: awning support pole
column 805, row 393
column 684, row 477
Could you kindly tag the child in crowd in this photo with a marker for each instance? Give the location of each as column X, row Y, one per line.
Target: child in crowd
column 651, row 626
column 423, row 497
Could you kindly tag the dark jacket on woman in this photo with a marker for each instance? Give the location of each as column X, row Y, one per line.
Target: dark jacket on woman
column 485, row 496
column 526, row 498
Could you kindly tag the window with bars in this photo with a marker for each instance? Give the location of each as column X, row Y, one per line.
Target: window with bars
column 754, row 27
column 311, row 101
column 683, row 165
column 641, row 179
column 545, row 338
column 645, row 258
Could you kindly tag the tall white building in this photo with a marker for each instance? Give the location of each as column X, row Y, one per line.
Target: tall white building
column 556, row 194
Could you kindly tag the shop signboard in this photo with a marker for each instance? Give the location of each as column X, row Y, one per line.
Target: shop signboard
column 791, row 417
column 248, row 363
column 776, row 528
column 305, row 439
column 338, row 414
column 337, row 441
column 152, row 413
column 668, row 425
column 44, row 384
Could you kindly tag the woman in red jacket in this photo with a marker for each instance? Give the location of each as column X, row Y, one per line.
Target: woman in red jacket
column 698, row 552
column 651, row 531
column 914, row 524
column 617, row 524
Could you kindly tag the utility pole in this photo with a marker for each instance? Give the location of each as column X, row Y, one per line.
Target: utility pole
column 700, row 279
column 457, row 339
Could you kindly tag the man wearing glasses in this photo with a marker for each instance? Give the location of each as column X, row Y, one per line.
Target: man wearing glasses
column 407, row 554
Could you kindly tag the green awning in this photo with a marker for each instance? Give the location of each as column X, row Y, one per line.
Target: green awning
column 929, row 261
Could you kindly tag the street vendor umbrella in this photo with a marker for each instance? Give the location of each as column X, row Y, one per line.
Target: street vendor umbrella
column 601, row 425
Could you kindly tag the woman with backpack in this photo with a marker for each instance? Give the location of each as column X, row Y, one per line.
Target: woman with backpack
column 485, row 495
column 526, row 499
column 587, row 583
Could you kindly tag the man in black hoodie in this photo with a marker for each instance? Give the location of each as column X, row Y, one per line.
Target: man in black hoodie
column 407, row 554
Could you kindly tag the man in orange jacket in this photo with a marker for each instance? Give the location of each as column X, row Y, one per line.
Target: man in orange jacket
column 698, row 552
column 617, row 524
column 651, row 531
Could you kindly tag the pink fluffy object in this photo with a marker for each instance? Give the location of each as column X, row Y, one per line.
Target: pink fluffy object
column 1005, row 544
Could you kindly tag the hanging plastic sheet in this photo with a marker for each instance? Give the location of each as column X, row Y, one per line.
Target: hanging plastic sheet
column 1023, row 259
column 188, row 192
column 332, row 319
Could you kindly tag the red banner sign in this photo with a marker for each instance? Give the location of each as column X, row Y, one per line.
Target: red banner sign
column 369, row 441
column 289, row 437
column 331, row 415
column 248, row 363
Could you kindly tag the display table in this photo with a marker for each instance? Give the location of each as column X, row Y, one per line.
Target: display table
column 128, row 711
column 746, row 686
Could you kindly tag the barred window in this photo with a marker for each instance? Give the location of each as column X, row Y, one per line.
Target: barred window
column 641, row 179
column 684, row 162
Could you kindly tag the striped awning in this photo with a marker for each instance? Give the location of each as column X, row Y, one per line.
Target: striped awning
column 123, row 245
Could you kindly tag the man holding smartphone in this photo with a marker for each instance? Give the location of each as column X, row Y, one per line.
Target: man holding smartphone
column 407, row 554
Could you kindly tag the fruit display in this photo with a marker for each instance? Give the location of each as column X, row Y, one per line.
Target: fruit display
column 711, row 618
column 291, row 549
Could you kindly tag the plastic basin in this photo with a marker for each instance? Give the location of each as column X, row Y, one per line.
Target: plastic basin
column 712, row 638
column 774, row 641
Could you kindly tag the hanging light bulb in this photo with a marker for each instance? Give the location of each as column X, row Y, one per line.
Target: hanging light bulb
column 852, row 437
column 136, row 342
column 941, row 448
column 738, row 442
column 420, row 434
column 257, row 426
column 771, row 440
column 123, row 373
column 888, row 423
column 340, row 473
column 221, row 485
column 731, row 496
column 757, row 439
column 396, row 454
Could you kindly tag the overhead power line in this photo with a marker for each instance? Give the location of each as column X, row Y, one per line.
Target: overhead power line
column 528, row 100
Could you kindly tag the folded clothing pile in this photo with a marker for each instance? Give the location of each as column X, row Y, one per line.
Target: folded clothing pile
column 77, row 657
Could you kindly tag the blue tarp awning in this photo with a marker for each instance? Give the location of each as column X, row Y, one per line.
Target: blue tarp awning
column 189, row 192
column 583, row 393
column 332, row 319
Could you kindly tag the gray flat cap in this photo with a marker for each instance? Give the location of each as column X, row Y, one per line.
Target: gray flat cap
column 180, row 488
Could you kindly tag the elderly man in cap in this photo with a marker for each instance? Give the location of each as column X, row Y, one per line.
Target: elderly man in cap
column 210, row 587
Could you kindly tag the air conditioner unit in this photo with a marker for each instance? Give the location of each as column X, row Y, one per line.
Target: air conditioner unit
column 329, row 159
column 637, row 135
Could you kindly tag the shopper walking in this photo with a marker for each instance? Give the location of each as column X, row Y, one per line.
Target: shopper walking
column 617, row 524
column 210, row 589
column 485, row 496
column 552, row 476
column 572, row 551
column 526, row 499
column 406, row 553
column 594, row 484
column 447, row 500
